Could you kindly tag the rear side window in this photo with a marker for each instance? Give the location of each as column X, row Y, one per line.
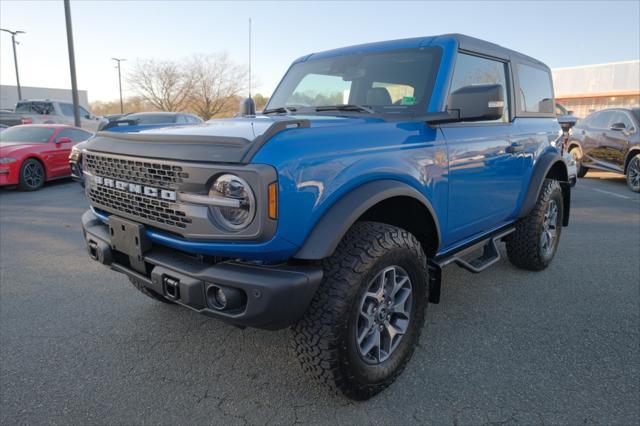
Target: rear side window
column 44, row 108
column 536, row 93
column 621, row 117
column 473, row 70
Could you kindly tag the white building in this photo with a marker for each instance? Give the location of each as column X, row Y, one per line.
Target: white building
column 589, row 88
column 9, row 95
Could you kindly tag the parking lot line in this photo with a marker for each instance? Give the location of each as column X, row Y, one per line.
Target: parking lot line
column 611, row 193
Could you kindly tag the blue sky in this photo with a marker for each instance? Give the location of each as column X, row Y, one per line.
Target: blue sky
column 558, row 33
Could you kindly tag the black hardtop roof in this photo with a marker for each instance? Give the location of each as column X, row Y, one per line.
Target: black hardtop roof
column 465, row 42
column 484, row 47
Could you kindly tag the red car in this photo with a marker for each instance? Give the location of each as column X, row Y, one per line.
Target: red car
column 30, row 155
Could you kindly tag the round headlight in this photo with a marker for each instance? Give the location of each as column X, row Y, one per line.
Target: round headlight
column 236, row 188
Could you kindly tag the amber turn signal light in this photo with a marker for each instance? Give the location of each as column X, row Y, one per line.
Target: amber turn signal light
column 273, row 200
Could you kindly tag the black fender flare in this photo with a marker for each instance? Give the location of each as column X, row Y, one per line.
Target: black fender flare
column 542, row 168
column 334, row 224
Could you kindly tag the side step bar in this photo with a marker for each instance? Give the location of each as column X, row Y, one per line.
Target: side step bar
column 490, row 255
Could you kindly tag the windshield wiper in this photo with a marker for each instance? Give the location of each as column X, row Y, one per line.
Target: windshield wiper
column 279, row 110
column 347, row 107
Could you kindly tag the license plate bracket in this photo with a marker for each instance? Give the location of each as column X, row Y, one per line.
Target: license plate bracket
column 128, row 237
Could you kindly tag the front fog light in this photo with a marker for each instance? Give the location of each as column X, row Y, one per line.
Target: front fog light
column 236, row 188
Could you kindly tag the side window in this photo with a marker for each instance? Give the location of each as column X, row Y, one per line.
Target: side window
column 473, row 70
column 194, row 119
column 75, row 135
column 181, row 118
column 621, row 117
column 67, row 109
column 25, row 108
column 65, row 133
column 84, row 113
column 43, row 108
column 601, row 120
column 536, row 93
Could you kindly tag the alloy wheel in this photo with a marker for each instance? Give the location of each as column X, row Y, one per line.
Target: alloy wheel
column 549, row 228
column 633, row 174
column 384, row 314
column 33, row 174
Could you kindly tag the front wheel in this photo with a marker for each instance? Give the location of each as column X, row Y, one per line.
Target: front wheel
column 32, row 175
column 364, row 322
column 534, row 243
column 633, row 174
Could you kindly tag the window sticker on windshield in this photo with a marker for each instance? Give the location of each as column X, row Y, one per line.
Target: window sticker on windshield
column 408, row 100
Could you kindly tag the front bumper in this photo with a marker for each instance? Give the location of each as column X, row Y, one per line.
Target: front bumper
column 275, row 296
column 9, row 175
column 76, row 171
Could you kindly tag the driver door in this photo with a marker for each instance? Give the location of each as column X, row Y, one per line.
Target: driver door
column 485, row 179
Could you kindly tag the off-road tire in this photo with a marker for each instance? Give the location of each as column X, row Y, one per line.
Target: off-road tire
column 576, row 153
column 324, row 339
column 149, row 293
column 29, row 184
column 524, row 247
column 632, row 169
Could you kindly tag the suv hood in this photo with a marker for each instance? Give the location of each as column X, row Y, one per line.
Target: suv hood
column 233, row 140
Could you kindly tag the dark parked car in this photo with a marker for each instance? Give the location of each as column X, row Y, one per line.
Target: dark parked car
column 133, row 123
column 608, row 140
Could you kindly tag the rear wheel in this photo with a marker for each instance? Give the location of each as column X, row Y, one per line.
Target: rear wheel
column 534, row 243
column 365, row 320
column 576, row 154
column 633, row 174
column 32, row 175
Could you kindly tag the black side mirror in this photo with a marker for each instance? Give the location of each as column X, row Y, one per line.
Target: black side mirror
column 482, row 102
column 618, row 127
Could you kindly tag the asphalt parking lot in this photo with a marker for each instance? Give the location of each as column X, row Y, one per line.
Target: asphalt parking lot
column 78, row 345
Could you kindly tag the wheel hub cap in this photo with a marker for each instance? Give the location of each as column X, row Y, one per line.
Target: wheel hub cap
column 384, row 314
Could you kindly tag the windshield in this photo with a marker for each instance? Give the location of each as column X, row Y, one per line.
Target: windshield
column 27, row 134
column 398, row 81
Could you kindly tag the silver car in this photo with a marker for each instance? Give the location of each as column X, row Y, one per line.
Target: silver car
column 47, row 111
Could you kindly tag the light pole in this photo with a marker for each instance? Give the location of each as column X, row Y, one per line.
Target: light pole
column 15, row 57
column 72, row 64
column 118, row 60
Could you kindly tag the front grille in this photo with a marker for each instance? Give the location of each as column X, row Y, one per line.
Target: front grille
column 135, row 171
column 143, row 207
column 154, row 211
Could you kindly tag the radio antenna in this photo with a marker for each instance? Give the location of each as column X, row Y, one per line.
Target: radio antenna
column 249, row 57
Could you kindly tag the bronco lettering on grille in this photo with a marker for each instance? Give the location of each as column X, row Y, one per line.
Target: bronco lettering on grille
column 149, row 191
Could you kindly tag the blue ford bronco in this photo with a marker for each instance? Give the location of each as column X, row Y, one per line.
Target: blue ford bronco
column 335, row 209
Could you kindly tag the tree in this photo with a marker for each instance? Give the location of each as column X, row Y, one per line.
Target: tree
column 260, row 101
column 216, row 84
column 164, row 84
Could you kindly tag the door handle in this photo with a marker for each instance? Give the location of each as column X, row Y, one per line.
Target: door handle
column 514, row 147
